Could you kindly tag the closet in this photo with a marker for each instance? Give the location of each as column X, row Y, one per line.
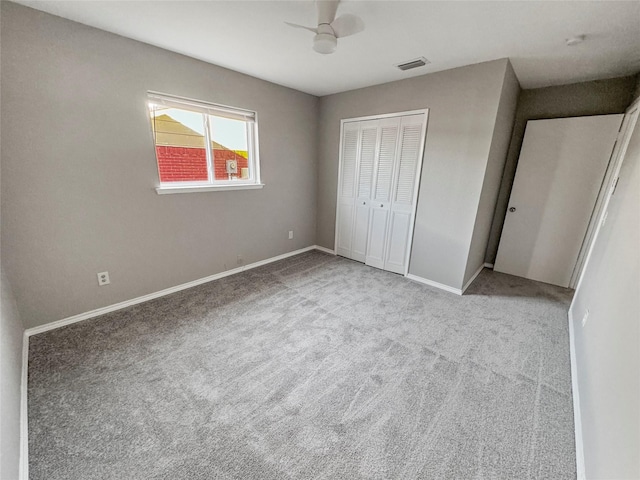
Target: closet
column 379, row 174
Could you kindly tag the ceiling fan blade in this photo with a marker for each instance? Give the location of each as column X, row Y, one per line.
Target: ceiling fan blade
column 346, row 25
column 295, row 25
column 327, row 10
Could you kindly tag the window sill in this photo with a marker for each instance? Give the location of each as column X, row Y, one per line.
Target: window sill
column 208, row 188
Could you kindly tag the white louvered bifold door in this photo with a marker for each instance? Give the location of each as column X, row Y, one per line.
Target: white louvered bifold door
column 384, row 171
column 404, row 193
column 368, row 146
column 347, row 188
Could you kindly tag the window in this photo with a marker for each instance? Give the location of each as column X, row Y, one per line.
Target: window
column 202, row 146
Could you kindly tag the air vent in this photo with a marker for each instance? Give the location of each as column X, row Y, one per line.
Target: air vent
column 415, row 63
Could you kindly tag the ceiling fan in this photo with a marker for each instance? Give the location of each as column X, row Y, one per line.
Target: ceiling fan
column 330, row 28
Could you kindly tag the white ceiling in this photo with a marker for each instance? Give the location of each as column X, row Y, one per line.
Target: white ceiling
column 251, row 37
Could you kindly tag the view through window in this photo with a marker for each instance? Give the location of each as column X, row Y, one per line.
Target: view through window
column 200, row 144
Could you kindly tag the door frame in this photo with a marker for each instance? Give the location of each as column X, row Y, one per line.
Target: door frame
column 609, row 183
column 422, row 111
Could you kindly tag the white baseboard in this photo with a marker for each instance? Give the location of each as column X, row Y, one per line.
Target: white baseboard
column 325, row 249
column 577, row 417
column 431, row 283
column 24, row 441
column 442, row 286
column 167, row 291
column 23, row 466
column 466, row 285
column 488, row 265
column 24, row 430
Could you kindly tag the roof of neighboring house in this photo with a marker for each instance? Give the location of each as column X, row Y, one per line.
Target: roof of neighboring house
column 171, row 132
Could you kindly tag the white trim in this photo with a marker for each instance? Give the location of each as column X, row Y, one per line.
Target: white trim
column 325, row 250
column 385, row 115
column 635, row 106
column 23, row 466
column 618, row 149
column 338, row 186
column 416, row 188
column 201, row 106
column 442, row 286
column 24, row 430
column 466, row 285
column 431, row 283
column 253, row 145
column 208, row 188
column 488, row 265
column 167, row 291
column 577, row 417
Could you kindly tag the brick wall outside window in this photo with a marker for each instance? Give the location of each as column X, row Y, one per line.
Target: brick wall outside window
column 189, row 164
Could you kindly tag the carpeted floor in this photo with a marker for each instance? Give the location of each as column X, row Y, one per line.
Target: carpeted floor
column 314, row 367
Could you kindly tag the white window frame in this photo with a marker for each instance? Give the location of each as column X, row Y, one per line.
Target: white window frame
column 205, row 108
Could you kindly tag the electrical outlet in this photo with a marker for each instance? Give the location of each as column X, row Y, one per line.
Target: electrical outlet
column 239, row 260
column 103, row 279
column 290, row 234
column 584, row 319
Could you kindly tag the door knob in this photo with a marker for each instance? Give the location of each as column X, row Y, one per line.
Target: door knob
column 381, row 205
column 512, row 209
column 364, row 203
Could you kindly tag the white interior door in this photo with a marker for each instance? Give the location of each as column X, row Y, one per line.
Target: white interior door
column 560, row 171
column 346, row 188
column 405, row 188
column 382, row 188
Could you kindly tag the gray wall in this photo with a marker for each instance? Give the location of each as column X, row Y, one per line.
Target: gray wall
column 599, row 97
column 607, row 354
column 462, row 103
column 493, row 175
column 11, row 332
column 10, row 377
column 79, row 170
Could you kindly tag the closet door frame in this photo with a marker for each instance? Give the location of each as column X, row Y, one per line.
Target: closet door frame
column 423, row 111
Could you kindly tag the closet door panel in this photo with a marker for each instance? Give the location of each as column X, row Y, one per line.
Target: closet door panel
column 398, row 235
column 360, row 231
column 382, row 190
column 347, row 189
column 368, row 146
column 404, row 192
column 410, row 146
column 366, row 162
column 345, row 223
column 386, row 160
column 377, row 234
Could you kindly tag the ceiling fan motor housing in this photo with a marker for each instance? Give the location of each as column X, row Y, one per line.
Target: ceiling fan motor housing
column 331, row 28
column 325, row 43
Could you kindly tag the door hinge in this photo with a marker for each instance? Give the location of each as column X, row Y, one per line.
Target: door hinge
column 615, row 185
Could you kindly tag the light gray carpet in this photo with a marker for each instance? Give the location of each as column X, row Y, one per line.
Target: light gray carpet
column 312, row 367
